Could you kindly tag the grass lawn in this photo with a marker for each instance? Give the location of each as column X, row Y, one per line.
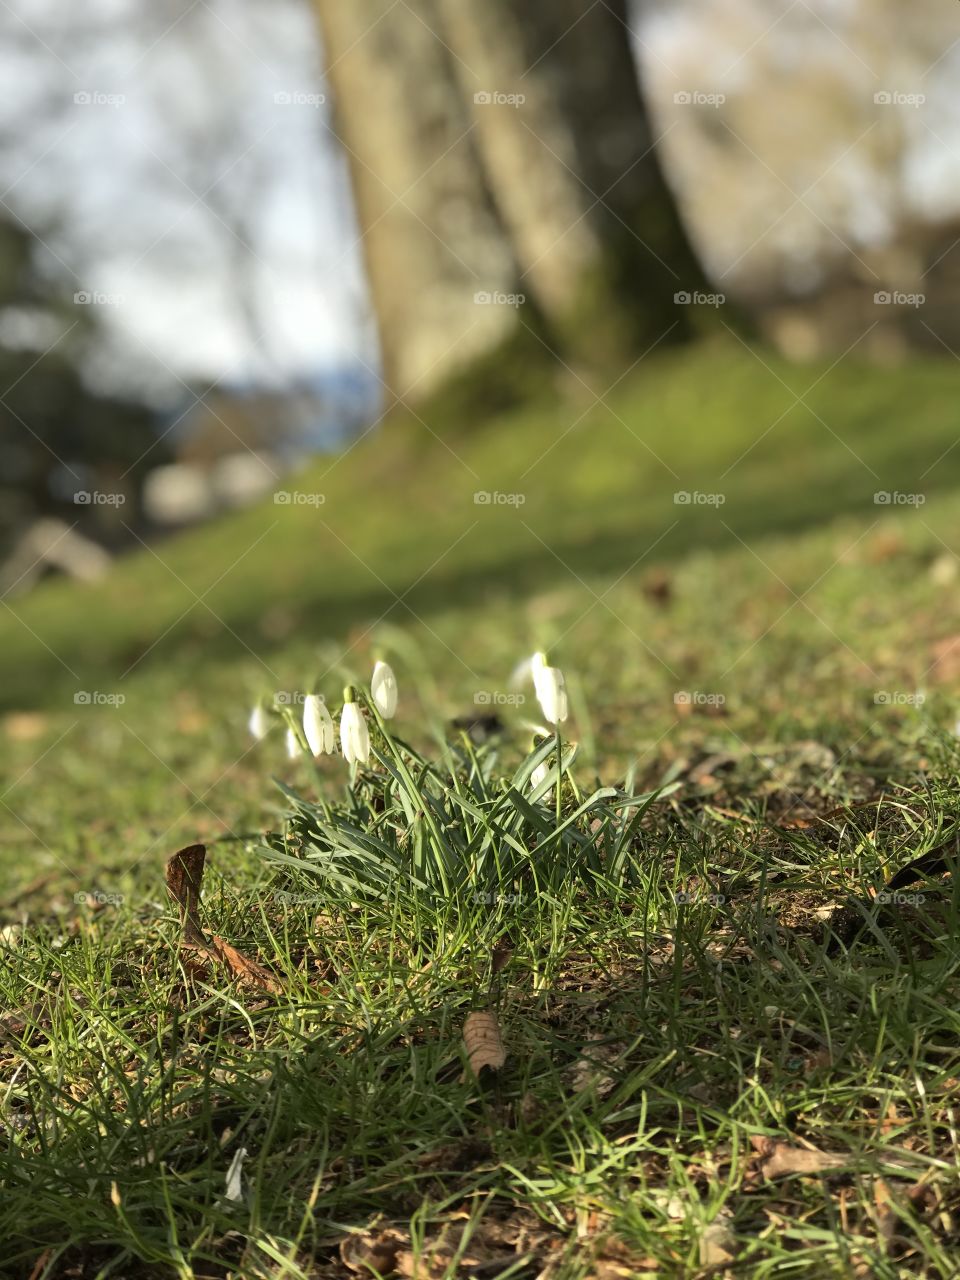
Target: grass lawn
column 680, row 1018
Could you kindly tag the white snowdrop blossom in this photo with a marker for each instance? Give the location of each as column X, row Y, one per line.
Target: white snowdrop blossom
column 539, row 775
column 383, row 688
column 293, row 745
column 550, row 689
column 318, row 725
column 354, row 734
column 259, row 722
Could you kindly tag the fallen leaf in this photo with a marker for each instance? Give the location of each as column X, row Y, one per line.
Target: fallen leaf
column 483, row 1041
column 184, row 878
column 248, row 971
column 780, row 1158
column 184, row 881
column 885, row 1212
column 373, row 1252
column 501, row 956
column 234, row 1189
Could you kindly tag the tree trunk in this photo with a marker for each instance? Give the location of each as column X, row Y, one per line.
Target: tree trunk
column 500, row 149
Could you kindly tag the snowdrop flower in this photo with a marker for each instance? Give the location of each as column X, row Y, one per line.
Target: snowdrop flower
column 293, row 745
column 539, row 775
column 550, row 689
column 259, row 722
column 317, row 725
column 354, row 735
column 383, row 687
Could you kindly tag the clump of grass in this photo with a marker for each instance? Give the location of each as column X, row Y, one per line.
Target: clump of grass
column 455, row 831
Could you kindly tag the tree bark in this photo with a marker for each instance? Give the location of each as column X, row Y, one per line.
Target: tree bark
column 502, row 147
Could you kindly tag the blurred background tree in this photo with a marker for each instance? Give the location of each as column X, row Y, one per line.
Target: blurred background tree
column 499, row 151
column 276, row 258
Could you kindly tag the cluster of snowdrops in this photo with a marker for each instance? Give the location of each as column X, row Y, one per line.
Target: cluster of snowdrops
column 315, row 731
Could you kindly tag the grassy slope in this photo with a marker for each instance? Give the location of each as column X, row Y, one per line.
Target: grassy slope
column 826, row 602
column 299, row 593
column 399, row 511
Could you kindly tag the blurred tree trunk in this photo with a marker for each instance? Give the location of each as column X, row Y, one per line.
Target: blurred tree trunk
column 502, row 147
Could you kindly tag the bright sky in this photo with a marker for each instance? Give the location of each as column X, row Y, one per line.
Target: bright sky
column 176, row 160
column 200, row 198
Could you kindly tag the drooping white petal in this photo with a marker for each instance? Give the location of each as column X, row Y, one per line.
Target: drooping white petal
column 317, row 725
column 521, row 673
column 354, row 735
column 293, row 745
column 539, row 775
column 383, row 688
column 259, row 722
column 551, row 693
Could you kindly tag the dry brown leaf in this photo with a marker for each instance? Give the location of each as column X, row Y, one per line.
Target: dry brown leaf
column 483, row 1041
column 780, row 1158
column 373, row 1252
column 885, row 1212
column 501, row 956
column 248, row 971
column 184, row 879
column 184, row 882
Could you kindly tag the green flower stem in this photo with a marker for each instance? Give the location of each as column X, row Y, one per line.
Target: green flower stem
column 559, row 773
column 408, row 779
